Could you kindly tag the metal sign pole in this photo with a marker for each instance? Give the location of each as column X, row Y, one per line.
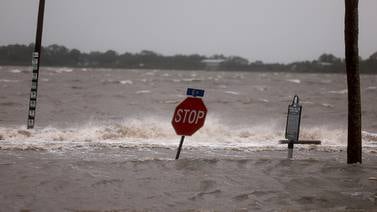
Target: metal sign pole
column 290, row 149
column 179, row 148
column 35, row 65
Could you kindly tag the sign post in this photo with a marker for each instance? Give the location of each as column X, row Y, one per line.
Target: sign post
column 189, row 116
column 35, row 65
column 179, row 147
column 292, row 129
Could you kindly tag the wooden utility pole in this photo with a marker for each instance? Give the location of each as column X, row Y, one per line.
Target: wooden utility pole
column 351, row 33
column 35, row 64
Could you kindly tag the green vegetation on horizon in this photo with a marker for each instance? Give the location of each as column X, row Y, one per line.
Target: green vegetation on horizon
column 57, row 55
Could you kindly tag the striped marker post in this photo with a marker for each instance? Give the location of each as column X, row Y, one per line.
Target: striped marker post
column 35, row 65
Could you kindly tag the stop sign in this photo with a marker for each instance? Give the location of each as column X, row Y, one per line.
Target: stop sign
column 189, row 116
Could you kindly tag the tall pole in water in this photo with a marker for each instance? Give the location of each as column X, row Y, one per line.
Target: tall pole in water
column 35, row 64
column 351, row 36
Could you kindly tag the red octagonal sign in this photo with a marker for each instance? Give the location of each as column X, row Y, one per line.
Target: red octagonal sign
column 189, row 116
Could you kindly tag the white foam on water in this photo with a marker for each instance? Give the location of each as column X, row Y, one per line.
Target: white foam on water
column 371, row 88
column 297, row 81
column 157, row 132
column 172, row 101
column 344, row 91
column 8, row 80
column 232, row 92
column 126, row 82
column 152, row 73
column 264, row 100
column 15, row 71
column 188, row 79
column 369, row 137
column 327, row 105
column 307, row 102
column 62, row 70
column 143, row 91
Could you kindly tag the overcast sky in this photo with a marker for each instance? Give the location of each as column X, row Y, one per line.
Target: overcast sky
column 268, row 30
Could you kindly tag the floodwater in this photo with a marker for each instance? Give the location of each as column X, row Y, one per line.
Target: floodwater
column 104, row 141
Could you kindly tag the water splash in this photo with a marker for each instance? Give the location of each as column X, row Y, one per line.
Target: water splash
column 157, row 132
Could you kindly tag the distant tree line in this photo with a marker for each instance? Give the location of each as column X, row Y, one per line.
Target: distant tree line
column 57, row 55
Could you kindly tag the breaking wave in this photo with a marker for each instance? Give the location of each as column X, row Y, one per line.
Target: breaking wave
column 154, row 132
